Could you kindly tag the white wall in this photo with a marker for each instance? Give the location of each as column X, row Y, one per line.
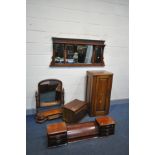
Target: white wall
column 85, row 19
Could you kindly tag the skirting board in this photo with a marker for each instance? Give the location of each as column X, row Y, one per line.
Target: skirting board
column 118, row 101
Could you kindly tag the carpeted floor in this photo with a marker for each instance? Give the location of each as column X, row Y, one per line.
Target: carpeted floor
column 118, row 144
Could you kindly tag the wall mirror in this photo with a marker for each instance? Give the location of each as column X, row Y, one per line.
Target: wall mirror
column 77, row 52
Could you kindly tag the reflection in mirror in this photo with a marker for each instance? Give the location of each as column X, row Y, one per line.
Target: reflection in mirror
column 70, row 53
column 79, row 54
column 98, row 54
column 89, row 54
column 59, row 53
column 50, row 93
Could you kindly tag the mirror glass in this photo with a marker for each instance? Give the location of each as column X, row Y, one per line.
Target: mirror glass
column 59, row 53
column 50, row 92
column 79, row 54
column 68, row 52
column 98, row 54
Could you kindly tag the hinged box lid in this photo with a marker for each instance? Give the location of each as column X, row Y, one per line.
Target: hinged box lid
column 75, row 105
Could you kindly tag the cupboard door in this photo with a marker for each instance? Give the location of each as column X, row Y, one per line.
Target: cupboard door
column 103, row 89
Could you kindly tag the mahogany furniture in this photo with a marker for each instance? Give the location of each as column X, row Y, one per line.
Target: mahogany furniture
column 98, row 92
column 60, row 133
column 57, row 134
column 50, row 93
column 81, row 131
column 48, row 115
column 77, row 52
column 74, row 111
column 106, row 126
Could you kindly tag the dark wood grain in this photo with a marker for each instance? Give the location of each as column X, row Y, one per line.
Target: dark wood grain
column 76, row 65
column 98, row 92
column 105, row 121
column 57, row 134
column 77, row 41
column 56, row 128
column 61, row 133
column 48, row 115
column 82, row 131
column 74, row 111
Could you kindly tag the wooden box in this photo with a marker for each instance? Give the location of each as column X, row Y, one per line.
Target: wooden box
column 56, row 134
column 74, row 111
column 106, row 126
column 98, row 92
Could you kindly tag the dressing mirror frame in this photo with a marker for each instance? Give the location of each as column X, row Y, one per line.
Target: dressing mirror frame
column 37, row 95
column 54, row 109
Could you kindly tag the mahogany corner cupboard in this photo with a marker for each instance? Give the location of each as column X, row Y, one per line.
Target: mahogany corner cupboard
column 98, row 92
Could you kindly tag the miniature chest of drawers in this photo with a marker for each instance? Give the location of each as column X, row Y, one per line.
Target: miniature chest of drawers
column 106, row 126
column 57, row 134
column 98, row 92
column 74, row 111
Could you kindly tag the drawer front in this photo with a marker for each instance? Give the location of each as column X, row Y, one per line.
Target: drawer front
column 56, row 142
column 57, row 136
column 57, row 139
column 106, row 131
column 107, row 126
